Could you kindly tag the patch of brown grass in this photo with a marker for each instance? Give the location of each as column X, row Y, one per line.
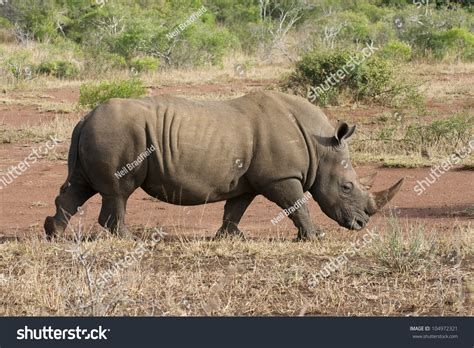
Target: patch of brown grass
column 61, row 127
column 402, row 274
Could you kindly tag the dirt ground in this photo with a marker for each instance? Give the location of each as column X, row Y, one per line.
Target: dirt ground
column 267, row 274
column 30, row 198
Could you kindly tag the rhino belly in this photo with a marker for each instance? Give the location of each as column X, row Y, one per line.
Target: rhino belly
column 197, row 175
column 192, row 189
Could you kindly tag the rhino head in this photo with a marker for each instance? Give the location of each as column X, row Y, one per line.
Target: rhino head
column 341, row 195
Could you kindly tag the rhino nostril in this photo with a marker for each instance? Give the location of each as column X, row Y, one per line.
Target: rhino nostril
column 360, row 222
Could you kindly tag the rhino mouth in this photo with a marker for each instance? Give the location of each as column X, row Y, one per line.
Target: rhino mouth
column 357, row 223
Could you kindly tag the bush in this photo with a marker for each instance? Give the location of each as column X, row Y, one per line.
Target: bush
column 92, row 95
column 204, row 45
column 60, row 69
column 373, row 12
column 453, row 130
column 397, row 51
column 313, row 70
column 19, row 66
column 145, row 64
column 372, row 78
column 368, row 80
column 100, row 62
column 455, row 42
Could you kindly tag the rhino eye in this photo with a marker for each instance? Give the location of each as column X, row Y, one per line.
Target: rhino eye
column 347, row 187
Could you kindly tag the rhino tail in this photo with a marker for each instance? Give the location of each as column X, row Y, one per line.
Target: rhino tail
column 73, row 153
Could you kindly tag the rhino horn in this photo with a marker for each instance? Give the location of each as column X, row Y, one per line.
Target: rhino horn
column 368, row 180
column 380, row 199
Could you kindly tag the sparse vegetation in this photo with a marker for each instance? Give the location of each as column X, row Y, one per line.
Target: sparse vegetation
column 456, row 130
column 410, row 253
column 60, row 127
column 59, row 69
column 233, row 277
column 396, row 51
column 97, row 93
column 401, row 143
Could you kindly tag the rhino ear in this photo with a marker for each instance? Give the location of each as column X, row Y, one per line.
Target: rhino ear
column 343, row 131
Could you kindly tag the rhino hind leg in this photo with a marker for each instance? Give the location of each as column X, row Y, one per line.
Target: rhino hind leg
column 71, row 197
column 112, row 215
column 234, row 209
column 285, row 194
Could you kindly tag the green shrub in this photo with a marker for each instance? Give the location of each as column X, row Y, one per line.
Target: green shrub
column 5, row 23
column 99, row 62
column 457, row 42
column 60, row 69
column 367, row 80
column 144, row 64
column 372, row 78
column 373, row 12
column 313, row 69
column 92, row 95
column 396, row 50
column 454, row 130
column 355, row 26
column 19, row 66
column 202, row 44
column 38, row 18
column 135, row 39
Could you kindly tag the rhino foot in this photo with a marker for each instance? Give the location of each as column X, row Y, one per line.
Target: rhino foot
column 229, row 232
column 53, row 227
column 316, row 235
column 124, row 233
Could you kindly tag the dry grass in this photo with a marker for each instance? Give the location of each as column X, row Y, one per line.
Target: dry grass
column 61, row 127
column 40, row 104
column 443, row 81
column 404, row 273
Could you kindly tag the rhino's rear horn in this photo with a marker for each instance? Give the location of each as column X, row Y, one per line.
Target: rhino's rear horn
column 383, row 197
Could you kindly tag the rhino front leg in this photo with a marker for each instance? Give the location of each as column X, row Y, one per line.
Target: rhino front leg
column 112, row 215
column 234, row 209
column 286, row 194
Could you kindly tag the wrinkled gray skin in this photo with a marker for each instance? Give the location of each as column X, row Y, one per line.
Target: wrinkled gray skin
column 267, row 143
